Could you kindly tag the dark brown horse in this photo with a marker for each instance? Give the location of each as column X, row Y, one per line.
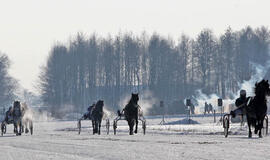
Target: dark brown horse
column 256, row 107
column 131, row 112
column 96, row 116
column 17, row 117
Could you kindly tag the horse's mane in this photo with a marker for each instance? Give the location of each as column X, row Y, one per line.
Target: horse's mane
column 260, row 87
column 16, row 104
column 99, row 105
column 132, row 101
column 259, row 101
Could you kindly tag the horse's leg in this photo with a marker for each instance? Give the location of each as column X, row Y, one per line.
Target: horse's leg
column 22, row 130
column 260, row 133
column 14, row 125
column 130, row 126
column 21, row 127
column 260, row 126
column 93, row 126
column 249, row 127
column 26, row 126
column 136, row 127
column 136, row 121
column 15, row 128
column 96, row 126
column 99, row 126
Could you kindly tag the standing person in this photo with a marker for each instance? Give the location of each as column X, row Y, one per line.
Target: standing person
column 192, row 108
column 205, row 107
column 8, row 114
column 210, row 108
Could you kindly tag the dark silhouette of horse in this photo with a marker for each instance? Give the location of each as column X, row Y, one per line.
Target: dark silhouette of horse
column 17, row 117
column 256, row 107
column 131, row 112
column 96, row 116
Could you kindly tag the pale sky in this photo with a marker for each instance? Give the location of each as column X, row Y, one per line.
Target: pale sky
column 29, row 28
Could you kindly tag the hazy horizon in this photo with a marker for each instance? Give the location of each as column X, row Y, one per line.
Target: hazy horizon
column 30, row 28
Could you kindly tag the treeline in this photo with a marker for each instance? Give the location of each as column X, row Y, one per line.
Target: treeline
column 8, row 85
column 91, row 68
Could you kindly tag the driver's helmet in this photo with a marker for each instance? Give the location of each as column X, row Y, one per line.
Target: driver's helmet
column 243, row 93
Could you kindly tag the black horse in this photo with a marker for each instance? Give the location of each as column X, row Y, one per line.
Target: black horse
column 96, row 116
column 256, row 107
column 131, row 112
column 17, row 117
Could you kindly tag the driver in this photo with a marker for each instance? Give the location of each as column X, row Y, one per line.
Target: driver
column 240, row 104
column 8, row 114
column 87, row 115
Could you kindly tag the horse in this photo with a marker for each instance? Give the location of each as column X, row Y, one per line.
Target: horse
column 96, row 116
column 17, row 117
column 256, row 108
column 27, row 118
column 131, row 112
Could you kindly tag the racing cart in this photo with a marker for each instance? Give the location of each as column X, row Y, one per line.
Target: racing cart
column 87, row 116
column 227, row 119
column 8, row 120
column 121, row 116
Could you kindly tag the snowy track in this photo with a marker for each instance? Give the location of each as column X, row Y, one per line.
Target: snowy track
column 60, row 140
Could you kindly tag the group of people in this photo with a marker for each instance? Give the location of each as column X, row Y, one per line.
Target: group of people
column 208, row 108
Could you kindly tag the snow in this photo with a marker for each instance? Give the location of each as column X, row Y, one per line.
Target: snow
column 205, row 140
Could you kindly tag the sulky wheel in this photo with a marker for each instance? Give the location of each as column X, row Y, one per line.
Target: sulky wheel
column 108, row 126
column 3, row 129
column 144, row 126
column 226, row 125
column 79, row 126
column 114, row 127
column 265, row 126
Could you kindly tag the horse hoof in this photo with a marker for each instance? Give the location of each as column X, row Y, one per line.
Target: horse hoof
column 260, row 136
column 250, row 136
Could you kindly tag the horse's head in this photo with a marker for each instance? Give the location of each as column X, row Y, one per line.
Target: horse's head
column 16, row 104
column 100, row 104
column 262, row 88
column 135, row 97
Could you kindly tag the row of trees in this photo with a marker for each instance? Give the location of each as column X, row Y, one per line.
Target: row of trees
column 8, row 85
column 91, row 68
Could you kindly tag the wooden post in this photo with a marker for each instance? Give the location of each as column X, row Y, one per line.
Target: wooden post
column 214, row 116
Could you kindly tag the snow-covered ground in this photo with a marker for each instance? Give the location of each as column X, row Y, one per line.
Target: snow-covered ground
column 203, row 140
